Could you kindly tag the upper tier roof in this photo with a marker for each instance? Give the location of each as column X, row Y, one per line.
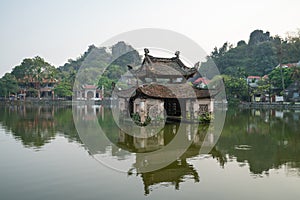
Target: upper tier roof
column 156, row 67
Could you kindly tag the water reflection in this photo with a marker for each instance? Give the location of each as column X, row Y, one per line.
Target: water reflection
column 178, row 171
column 271, row 138
column 35, row 126
column 175, row 173
column 260, row 139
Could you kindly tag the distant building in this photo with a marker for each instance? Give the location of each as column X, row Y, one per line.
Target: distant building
column 30, row 86
column 201, row 82
column 287, row 65
column 89, row 92
column 293, row 92
column 252, row 80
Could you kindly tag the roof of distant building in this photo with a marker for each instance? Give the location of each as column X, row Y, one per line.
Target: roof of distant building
column 89, row 87
column 265, row 77
column 287, row 65
column 203, row 80
column 31, row 79
column 253, row 77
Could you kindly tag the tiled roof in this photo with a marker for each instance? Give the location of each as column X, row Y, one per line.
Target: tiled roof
column 288, row 65
column 179, row 91
column 125, row 93
column 89, row 87
column 30, row 79
column 164, row 67
column 253, row 77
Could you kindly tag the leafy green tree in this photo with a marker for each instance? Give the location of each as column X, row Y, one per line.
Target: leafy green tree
column 8, row 85
column 241, row 43
column 291, row 48
column 263, row 87
column 97, row 62
column 106, row 83
column 63, row 89
column 259, row 57
column 264, row 58
column 279, row 74
column 32, row 71
column 236, row 89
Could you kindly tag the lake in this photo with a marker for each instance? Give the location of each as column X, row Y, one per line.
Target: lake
column 257, row 156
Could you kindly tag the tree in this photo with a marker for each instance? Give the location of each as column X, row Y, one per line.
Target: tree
column 241, row 43
column 264, row 58
column 32, row 71
column 276, row 77
column 263, row 87
column 63, row 89
column 106, row 83
column 291, row 48
column 8, row 85
column 236, row 88
column 259, row 57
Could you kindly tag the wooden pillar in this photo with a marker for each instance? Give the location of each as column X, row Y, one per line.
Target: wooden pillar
column 192, row 109
column 183, row 109
column 142, row 111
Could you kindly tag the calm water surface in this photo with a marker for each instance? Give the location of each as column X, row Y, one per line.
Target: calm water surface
column 42, row 157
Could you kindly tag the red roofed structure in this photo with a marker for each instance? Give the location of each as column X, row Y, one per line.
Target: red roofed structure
column 202, row 80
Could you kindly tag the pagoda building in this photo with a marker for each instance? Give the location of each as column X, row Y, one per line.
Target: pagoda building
column 162, row 90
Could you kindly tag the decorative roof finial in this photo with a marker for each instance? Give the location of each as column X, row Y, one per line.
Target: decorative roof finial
column 129, row 67
column 146, row 51
column 177, row 54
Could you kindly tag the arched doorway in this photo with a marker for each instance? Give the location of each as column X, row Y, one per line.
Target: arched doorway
column 90, row 94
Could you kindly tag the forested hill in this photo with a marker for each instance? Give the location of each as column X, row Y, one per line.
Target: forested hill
column 110, row 61
column 100, row 57
column 97, row 59
column 259, row 56
column 104, row 65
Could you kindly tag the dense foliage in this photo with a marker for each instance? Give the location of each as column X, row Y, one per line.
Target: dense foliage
column 8, row 85
column 97, row 66
column 259, row 57
column 100, row 66
column 103, row 66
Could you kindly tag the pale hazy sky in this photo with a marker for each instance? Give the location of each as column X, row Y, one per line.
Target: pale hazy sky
column 61, row 29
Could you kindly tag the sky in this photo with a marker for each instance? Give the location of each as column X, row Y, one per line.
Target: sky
column 58, row 30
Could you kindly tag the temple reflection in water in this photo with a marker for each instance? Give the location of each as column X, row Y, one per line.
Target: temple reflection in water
column 177, row 171
column 151, row 147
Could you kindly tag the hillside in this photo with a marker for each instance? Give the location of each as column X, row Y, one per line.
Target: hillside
column 258, row 57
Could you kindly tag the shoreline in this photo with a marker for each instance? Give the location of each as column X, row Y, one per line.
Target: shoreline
column 42, row 102
column 270, row 105
column 243, row 105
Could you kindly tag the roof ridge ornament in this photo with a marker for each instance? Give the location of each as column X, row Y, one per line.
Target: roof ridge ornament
column 177, row 54
column 146, row 51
